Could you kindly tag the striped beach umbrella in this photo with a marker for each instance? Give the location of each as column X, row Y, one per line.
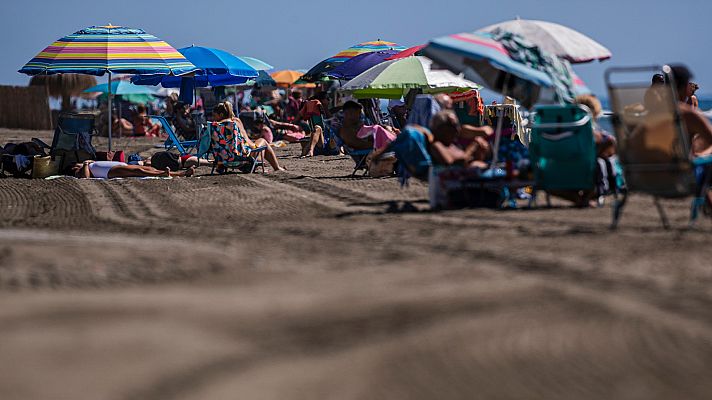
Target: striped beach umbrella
column 482, row 59
column 319, row 71
column 109, row 49
column 365, row 47
column 393, row 79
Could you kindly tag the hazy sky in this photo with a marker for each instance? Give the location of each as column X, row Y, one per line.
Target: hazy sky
column 298, row 34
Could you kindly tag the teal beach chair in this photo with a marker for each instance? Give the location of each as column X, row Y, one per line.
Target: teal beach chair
column 562, row 149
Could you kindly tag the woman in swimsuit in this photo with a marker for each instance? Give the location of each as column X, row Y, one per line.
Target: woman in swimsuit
column 116, row 169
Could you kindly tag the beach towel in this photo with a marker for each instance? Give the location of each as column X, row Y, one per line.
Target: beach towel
column 411, row 150
column 423, row 109
column 525, row 52
column 381, row 136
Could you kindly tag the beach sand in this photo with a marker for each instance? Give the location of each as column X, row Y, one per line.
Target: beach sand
column 310, row 284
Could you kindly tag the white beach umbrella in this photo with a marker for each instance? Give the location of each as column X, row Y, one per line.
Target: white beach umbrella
column 555, row 39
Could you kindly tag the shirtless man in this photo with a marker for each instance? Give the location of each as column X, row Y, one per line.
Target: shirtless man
column 352, row 124
column 698, row 126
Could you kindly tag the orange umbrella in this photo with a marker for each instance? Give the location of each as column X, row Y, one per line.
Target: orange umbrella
column 286, row 78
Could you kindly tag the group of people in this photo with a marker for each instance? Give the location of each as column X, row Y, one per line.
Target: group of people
column 324, row 131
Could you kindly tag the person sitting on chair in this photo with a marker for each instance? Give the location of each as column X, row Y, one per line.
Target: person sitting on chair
column 143, row 125
column 698, row 126
column 236, row 143
column 358, row 136
column 185, row 126
column 605, row 142
column 116, row 169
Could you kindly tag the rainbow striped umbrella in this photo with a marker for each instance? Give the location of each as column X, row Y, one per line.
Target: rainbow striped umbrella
column 319, row 71
column 109, row 49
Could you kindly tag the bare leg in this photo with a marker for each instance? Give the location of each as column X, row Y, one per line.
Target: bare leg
column 269, row 154
column 317, row 139
column 140, row 171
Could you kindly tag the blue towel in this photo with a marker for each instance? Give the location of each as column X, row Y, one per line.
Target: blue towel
column 423, row 110
column 187, row 87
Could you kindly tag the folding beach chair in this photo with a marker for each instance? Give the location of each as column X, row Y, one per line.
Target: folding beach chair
column 72, row 138
column 562, row 149
column 224, row 145
column 653, row 144
column 183, row 146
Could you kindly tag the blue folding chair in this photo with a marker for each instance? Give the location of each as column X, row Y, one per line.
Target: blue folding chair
column 183, row 146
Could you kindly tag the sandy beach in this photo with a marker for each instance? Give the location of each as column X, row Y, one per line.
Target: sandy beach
column 311, row 284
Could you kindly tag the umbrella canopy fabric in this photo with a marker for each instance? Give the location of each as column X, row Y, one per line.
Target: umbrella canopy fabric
column 120, row 87
column 97, row 50
column 255, row 63
column 481, row 58
column 556, row 39
column 319, row 71
column 365, row 47
column 410, row 51
column 286, row 78
column 215, row 68
column 580, row 86
column 357, row 65
column 393, row 79
column 100, row 49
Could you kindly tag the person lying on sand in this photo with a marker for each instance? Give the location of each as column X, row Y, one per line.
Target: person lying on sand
column 116, row 169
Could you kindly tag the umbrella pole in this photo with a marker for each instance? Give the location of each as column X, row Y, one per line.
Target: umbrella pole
column 500, row 122
column 109, row 100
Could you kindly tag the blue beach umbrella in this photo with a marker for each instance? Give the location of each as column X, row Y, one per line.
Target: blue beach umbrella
column 255, row 63
column 120, row 88
column 215, row 68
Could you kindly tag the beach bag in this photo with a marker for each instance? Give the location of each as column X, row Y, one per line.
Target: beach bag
column 44, row 166
column 17, row 159
column 452, row 188
column 383, row 166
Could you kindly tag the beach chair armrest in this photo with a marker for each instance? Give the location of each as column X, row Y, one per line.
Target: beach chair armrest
column 258, row 149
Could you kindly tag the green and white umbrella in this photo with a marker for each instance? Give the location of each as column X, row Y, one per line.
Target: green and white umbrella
column 393, row 79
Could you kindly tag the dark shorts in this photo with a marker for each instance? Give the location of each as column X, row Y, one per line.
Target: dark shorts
column 305, row 126
column 326, row 150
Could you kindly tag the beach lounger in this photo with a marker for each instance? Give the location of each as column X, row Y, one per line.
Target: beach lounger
column 183, row 146
column 562, row 149
column 653, row 145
